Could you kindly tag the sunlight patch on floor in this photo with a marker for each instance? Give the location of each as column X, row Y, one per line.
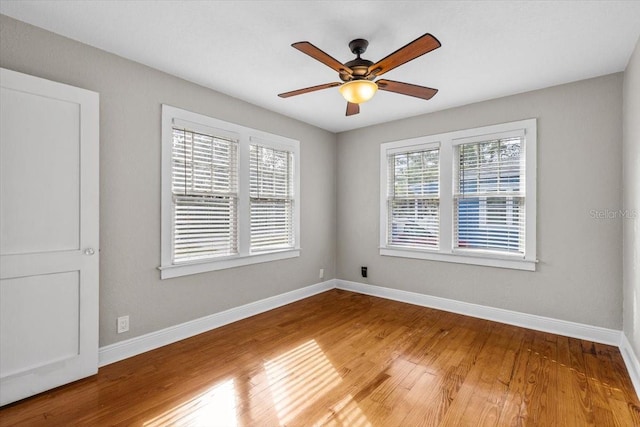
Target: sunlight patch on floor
column 216, row 407
column 299, row 377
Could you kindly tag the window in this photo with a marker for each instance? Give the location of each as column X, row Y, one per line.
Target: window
column 229, row 195
column 466, row 196
column 413, row 198
column 205, row 195
column 488, row 201
column 272, row 199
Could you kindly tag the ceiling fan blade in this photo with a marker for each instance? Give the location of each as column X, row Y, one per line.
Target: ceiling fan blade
column 319, row 55
column 352, row 109
column 308, row 89
column 418, row 47
column 406, row 89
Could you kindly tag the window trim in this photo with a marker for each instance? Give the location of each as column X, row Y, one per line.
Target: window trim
column 446, row 252
column 246, row 136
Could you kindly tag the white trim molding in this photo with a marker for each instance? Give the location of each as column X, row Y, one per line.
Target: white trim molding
column 632, row 362
column 529, row 321
column 124, row 349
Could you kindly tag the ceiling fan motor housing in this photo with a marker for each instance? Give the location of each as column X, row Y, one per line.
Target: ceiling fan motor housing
column 359, row 66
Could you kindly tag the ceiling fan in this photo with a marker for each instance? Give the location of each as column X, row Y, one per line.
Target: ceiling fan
column 358, row 75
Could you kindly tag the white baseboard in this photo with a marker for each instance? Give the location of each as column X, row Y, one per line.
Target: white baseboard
column 134, row 346
column 530, row 321
column 632, row 361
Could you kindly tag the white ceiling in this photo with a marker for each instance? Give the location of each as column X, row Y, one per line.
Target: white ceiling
column 242, row 48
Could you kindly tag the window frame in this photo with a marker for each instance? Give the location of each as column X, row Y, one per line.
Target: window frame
column 257, row 142
column 446, row 251
column 246, row 136
column 418, row 147
column 191, row 197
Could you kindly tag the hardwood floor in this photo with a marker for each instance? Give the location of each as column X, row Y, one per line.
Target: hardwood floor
column 344, row 359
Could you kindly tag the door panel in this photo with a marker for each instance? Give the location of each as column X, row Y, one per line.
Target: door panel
column 49, row 235
column 42, row 312
column 39, row 172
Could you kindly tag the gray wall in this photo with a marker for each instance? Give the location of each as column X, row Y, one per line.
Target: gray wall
column 130, row 99
column 631, row 200
column 579, row 156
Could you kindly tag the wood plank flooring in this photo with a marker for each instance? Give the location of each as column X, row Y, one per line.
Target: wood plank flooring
column 345, row 359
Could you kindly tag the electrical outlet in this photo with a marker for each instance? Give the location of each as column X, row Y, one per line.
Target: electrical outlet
column 363, row 271
column 321, row 275
column 123, row 324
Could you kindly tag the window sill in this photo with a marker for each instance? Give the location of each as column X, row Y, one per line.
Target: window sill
column 463, row 258
column 170, row 271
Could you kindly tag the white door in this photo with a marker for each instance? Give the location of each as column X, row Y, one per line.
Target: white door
column 48, row 234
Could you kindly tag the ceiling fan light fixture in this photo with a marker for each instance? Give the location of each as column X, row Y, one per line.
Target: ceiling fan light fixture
column 359, row 73
column 358, row 91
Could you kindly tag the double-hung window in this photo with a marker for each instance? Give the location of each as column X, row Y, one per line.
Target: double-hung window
column 204, row 193
column 229, row 195
column 466, row 196
column 272, row 198
column 489, row 194
column 413, row 203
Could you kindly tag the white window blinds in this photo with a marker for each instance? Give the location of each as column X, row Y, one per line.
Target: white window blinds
column 229, row 195
column 413, row 202
column 489, row 195
column 271, row 198
column 205, row 196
